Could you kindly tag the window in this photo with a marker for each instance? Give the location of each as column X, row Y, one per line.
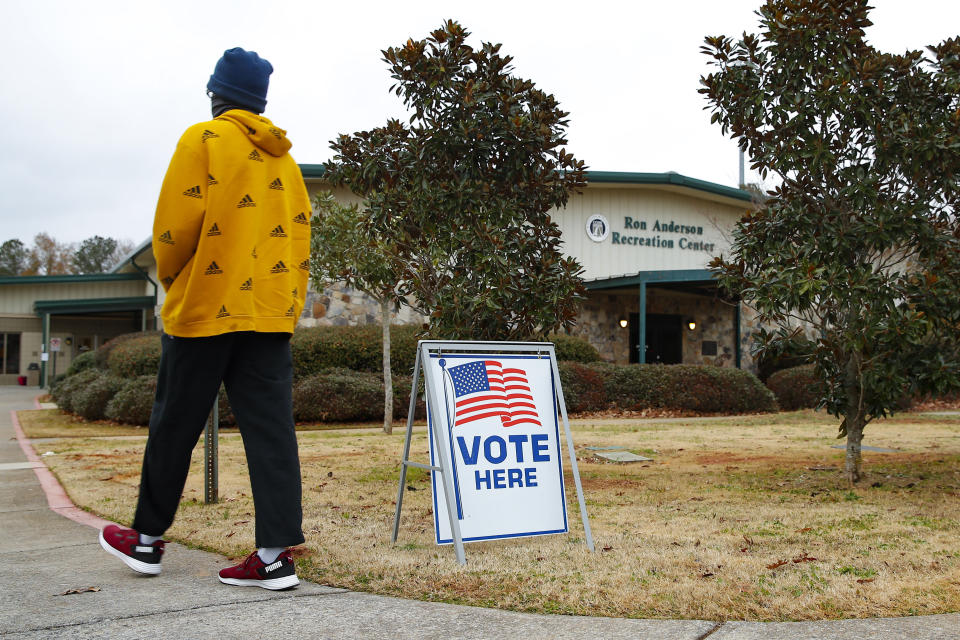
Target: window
column 10, row 353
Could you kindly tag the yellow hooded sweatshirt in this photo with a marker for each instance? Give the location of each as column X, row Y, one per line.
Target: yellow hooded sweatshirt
column 232, row 230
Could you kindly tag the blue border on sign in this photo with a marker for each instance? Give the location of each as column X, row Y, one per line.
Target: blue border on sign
column 556, row 427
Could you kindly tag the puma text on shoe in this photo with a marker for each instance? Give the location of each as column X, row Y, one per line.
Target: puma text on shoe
column 125, row 544
column 253, row 572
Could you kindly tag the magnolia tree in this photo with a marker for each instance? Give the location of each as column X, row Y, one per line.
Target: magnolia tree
column 860, row 242
column 461, row 195
column 341, row 251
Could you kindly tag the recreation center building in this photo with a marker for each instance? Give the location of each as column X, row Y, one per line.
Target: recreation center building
column 643, row 239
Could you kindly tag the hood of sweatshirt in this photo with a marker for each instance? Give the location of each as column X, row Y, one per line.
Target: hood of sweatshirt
column 259, row 130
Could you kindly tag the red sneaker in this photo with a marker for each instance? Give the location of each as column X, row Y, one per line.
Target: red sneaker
column 253, row 572
column 125, row 544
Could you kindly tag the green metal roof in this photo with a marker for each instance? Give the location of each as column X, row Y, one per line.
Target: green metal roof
column 94, row 305
column 677, row 275
column 620, row 177
column 70, row 279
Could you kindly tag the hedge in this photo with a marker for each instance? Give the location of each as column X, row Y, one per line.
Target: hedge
column 573, row 349
column 343, row 395
column 133, row 403
column 137, row 356
column 63, row 389
column 796, row 388
column 702, row 389
column 86, row 360
column 359, row 348
column 90, row 400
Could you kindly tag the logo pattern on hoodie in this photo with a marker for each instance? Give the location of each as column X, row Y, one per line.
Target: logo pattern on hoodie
column 284, row 265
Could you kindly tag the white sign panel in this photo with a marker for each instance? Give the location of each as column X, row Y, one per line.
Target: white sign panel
column 499, row 420
column 55, row 344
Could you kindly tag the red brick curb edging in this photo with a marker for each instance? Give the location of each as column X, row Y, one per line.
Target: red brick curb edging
column 56, row 496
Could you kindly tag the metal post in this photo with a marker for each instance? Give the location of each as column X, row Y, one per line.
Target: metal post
column 741, row 183
column 573, row 454
column 642, row 324
column 406, row 445
column 211, row 438
column 45, row 348
column 736, row 333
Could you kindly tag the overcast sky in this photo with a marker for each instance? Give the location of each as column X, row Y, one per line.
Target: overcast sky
column 96, row 94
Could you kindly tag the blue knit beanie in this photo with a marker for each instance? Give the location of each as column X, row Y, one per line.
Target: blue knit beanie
column 242, row 77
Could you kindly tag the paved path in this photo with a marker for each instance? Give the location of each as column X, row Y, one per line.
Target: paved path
column 48, row 547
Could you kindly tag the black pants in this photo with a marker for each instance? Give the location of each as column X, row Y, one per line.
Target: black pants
column 257, row 371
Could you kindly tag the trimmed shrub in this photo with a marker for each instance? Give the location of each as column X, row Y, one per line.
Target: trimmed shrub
column 90, row 400
column 584, row 386
column 103, row 353
column 702, row 389
column 338, row 395
column 636, row 387
column 133, row 402
column 573, row 349
column 714, row 390
column 135, row 356
column 359, row 348
column 796, row 388
column 64, row 388
column 86, row 360
column 342, row 395
column 401, row 398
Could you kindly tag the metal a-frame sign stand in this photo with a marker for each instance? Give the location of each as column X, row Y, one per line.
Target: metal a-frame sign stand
column 424, row 349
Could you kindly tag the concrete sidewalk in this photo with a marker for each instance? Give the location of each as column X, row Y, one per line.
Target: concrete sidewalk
column 44, row 554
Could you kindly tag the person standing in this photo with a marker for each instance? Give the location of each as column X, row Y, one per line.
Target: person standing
column 231, row 238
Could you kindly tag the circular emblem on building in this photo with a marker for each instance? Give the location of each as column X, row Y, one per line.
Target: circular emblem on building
column 597, row 227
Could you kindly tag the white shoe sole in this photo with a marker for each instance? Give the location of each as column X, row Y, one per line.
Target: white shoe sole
column 133, row 563
column 274, row 584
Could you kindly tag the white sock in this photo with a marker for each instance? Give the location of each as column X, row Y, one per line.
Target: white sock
column 270, row 554
column 148, row 540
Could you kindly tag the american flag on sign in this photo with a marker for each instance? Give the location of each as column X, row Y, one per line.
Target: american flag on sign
column 484, row 389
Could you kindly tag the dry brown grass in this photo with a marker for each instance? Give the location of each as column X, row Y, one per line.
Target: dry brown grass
column 736, row 519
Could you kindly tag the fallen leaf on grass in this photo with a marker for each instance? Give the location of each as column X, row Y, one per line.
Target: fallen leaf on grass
column 608, row 548
column 803, row 558
column 240, row 522
column 229, row 534
column 706, row 574
column 82, row 590
column 805, row 529
column 865, row 580
column 777, row 565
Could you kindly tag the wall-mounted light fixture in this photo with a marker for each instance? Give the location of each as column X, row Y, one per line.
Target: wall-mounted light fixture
column 623, row 323
column 691, row 324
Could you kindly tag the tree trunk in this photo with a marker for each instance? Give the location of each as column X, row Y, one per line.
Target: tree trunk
column 387, row 376
column 855, row 419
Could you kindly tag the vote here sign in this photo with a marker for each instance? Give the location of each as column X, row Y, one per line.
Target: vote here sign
column 500, row 425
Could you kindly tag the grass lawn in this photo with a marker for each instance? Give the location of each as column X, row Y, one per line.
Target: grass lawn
column 743, row 518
